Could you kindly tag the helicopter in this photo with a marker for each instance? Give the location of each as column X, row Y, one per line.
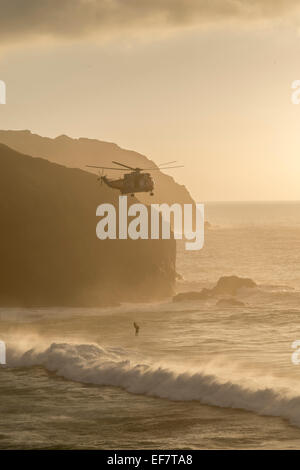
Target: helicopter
column 135, row 181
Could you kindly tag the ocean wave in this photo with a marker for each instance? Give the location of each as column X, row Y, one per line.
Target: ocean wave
column 93, row 364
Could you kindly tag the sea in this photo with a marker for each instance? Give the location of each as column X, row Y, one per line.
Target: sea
column 197, row 376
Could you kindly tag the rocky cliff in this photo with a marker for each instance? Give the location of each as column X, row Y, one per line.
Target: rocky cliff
column 49, row 251
column 77, row 153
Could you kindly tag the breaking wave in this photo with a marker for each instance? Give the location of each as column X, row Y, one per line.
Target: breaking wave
column 92, row 364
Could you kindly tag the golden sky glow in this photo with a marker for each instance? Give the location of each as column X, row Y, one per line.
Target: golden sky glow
column 208, row 85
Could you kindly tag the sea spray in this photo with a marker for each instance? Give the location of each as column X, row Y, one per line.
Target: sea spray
column 90, row 363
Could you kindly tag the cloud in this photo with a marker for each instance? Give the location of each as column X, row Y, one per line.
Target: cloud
column 25, row 19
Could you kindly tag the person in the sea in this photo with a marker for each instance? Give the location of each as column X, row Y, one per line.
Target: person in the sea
column 137, row 328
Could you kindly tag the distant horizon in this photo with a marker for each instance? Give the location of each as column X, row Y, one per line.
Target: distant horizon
column 255, row 201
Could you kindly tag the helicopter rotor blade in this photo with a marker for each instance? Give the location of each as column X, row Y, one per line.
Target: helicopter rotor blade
column 167, row 163
column 105, row 167
column 166, row 168
column 125, row 166
column 100, row 177
column 170, row 167
column 129, row 168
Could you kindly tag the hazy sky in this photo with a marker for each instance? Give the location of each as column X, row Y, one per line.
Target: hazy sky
column 207, row 83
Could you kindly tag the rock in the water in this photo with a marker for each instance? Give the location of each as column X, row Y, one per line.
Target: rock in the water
column 192, row 295
column 226, row 285
column 230, row 303
column 231, row 284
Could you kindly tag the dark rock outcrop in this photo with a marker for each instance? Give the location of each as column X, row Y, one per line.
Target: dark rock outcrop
column 232, row 284
column 192, row 295
column 49, row 251
column 226, row 285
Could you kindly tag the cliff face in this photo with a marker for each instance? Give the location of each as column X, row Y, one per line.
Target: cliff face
column 76, row 153
column 49, row 251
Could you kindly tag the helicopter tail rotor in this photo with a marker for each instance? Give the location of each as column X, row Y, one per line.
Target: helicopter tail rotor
column 101, row 176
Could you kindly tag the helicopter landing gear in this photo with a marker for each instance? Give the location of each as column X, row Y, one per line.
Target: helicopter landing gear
column 132, row 195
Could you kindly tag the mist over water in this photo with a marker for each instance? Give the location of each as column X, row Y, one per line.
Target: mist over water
column 198, row 375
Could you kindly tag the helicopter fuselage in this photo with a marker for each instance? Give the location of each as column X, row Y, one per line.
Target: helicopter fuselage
column 131, row 183
column 137, row 181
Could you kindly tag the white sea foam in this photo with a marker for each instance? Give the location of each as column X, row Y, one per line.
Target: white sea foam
column 90, row 363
